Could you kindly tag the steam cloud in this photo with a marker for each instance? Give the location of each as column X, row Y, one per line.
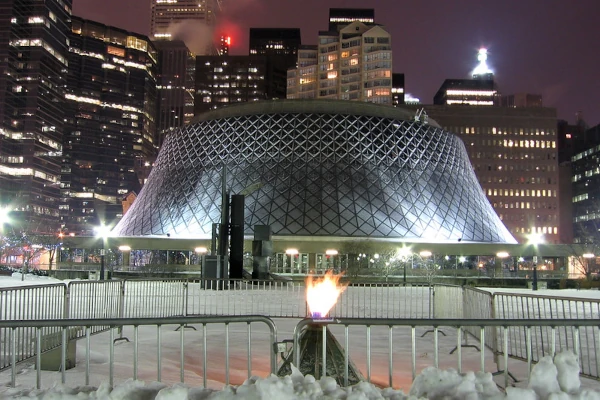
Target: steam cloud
column 201, row 37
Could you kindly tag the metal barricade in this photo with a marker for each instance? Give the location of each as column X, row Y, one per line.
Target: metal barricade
column 149, row 298
column 28, row 303
column 383, row 301
column 526, row 306
column 241, row 297
column 386, row 355
column 205, row 343
column 447, row 301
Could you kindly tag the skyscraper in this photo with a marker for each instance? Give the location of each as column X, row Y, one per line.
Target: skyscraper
column 514, row 155
column 224, row 80
column 353, row 62
column 479, row 91
column 110, row 126
column 175, row 86
column 33, row 59
column 581, row 158
column 178, row 19
column 275, row 42
column 513, row 150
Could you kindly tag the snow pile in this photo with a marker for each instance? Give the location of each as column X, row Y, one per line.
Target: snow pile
column 556, row 379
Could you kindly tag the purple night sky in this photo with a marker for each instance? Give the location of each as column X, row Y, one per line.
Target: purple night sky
column 545, row 47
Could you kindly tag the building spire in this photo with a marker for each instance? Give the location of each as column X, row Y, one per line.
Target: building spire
column 482, row 71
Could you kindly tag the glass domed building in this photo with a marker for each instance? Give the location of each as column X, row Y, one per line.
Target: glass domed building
column 318, row 169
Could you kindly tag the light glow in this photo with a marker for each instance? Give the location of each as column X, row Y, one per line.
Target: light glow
column 482, row 68
column 322, row 293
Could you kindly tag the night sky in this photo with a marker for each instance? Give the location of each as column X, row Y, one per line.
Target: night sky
column 548, row 47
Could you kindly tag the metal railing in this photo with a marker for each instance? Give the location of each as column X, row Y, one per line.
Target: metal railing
column 471, row 303
column 157, row 298
column 387, row 357
column 202, row 338
column 532, row 307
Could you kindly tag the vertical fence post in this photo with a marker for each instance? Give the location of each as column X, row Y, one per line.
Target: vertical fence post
column 185, row 297
column 67, row 301
column 431, row 301
column 121, row 306
column 495, row 344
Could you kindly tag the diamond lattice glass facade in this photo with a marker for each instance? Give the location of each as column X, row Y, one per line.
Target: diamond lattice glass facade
column 317, row 168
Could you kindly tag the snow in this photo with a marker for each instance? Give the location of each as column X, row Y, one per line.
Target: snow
column 551, row 379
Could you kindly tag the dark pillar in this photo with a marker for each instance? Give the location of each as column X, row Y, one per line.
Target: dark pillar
column 262, row 249
column 102, row 251
column 236, row 255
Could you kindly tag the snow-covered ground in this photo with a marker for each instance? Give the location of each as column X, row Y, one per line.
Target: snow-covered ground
column 559, row 376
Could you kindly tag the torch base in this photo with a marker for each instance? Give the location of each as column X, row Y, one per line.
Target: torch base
column 311, row 357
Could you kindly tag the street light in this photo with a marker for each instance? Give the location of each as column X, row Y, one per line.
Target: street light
column 332, row 253
column 535, row 239
column 102, row 231
column 403, row 254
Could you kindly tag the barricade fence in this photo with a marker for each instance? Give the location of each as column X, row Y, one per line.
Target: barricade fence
column 525, row 306
column 227, row 350
column 481, row 304
column 157, row 298
column 206, row 348
column 386, row 354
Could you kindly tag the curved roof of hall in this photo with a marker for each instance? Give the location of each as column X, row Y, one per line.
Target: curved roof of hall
column 311, row 106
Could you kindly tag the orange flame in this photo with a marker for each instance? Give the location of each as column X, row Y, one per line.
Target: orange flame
column 322, row 293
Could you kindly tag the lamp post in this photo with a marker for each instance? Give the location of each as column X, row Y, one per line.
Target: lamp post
column 102, row 232
column 403, row 254
column 535, row 239
column 3, row 220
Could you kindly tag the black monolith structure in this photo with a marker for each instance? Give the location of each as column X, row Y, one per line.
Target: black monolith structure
column 236, row 231
column 262, row 249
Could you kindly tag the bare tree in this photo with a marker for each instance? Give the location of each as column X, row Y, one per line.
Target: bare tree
column 358, row 257
column 586, row 248
column 430, row 268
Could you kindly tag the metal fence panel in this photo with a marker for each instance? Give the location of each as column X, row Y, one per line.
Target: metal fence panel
column 525, row 306
column 448, row 301
column 238, row 297
column 383, row 301
column 154, row 298
column 28, row 303
column 207, row 346
column 478, row 304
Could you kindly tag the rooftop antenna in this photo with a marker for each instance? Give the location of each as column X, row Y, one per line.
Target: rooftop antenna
column 482, row 71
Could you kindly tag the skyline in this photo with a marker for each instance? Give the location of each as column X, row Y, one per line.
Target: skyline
column 547, row 51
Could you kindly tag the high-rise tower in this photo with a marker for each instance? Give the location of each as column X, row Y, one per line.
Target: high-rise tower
column 33, row 60
column 512, row 150
column 352, row 62
column 167, row 14
column 175, row 86
column 110, row 125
